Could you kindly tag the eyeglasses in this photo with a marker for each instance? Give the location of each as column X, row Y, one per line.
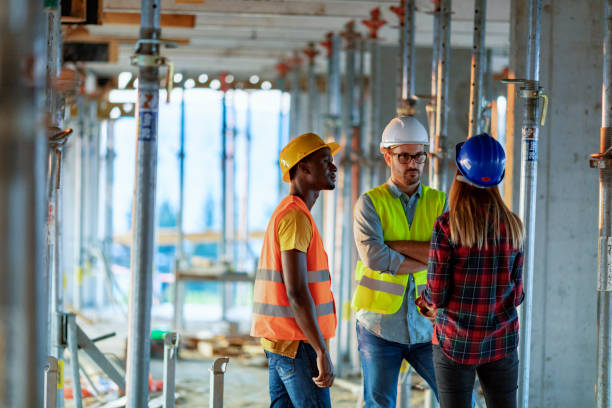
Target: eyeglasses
column 405, row 158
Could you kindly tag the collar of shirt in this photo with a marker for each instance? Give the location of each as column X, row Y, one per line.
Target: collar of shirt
column 397, row 193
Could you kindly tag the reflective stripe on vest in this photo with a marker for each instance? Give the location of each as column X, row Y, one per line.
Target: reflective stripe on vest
column 383, row 292
column 272, row 316
column 277, row 276
column 285, row 311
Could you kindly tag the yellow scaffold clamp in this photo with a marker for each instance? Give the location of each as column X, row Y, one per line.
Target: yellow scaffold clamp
column 146, row 60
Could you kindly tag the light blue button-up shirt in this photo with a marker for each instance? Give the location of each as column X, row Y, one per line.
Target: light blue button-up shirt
column 406, row 326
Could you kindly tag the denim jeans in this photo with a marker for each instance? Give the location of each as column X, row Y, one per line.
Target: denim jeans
column 291, row 384
column 381, row 361
column 499, row 381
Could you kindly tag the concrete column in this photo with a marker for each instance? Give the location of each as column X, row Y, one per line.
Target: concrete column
column 565, row 273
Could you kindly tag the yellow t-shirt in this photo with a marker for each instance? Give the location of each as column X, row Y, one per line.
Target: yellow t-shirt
column 294, row 232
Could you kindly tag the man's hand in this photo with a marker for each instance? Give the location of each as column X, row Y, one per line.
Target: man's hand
column 425, row 308
column 414, row 249
column 326, row 370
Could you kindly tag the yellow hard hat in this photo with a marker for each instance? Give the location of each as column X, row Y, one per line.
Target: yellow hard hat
column 301, row 147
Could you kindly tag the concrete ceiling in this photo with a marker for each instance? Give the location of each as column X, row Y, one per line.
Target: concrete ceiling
column 247, row 37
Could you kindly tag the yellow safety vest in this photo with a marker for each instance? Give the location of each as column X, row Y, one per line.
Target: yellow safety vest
column 382, row 292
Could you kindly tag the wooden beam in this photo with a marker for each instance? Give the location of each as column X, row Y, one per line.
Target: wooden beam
column 167, row 20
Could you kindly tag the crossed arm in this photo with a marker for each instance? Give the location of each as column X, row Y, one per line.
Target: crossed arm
column 395, row 257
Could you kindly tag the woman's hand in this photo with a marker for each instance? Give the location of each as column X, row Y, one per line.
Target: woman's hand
column 425, row 308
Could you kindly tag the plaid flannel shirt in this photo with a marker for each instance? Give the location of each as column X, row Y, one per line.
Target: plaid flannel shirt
column 476, row 293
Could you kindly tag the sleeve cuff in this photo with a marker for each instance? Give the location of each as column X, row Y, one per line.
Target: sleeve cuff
column 395, row 260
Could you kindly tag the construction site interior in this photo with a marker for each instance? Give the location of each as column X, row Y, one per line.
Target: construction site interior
column 139, row 168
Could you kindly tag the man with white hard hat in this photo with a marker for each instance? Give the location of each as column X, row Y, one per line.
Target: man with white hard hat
column 392, row 228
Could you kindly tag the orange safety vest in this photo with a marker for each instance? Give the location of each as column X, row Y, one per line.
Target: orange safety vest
column 272, row 315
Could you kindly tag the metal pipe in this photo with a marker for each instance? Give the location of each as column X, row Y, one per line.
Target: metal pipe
column 216, row 382
column 181, row 159
column 282, row 69
column 73, row 346
column 79, row 204
column 244, row 208
column 432, row 107
column 143, row 213
column 408, row 60
column 529, row 172
column 294, row 119
column 23, row 158
column 476, row 90
column 603, row 389
column 311, row 52
column 440, row 173
column 108, row 188
column 171, row 347
column 223, row 243
column 404, row 386
column 51, row 372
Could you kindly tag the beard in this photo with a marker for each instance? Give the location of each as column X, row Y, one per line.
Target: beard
column 412, row 176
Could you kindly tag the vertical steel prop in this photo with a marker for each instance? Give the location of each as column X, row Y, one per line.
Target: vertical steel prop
column 143, row 212
column 531, row 91
column 222, row 254
column 79, row 203
column 440, row 154
column 180, row 257
column 109, row 166
column 217, row 372
column 406, row 98
column 603, row 161
column 311, row 52
column 378, row 168
column 432, row 106
column 23, row 156
column 171, row 348
column 281, row 68
column 332, row 130
column 295, row 127
column 244, row 217
column 476, row 89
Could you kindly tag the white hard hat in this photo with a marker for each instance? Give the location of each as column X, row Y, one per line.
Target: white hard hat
column 404, row 130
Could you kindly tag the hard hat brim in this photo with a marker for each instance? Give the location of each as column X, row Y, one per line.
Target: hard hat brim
column 333, row 146
column 386, row 145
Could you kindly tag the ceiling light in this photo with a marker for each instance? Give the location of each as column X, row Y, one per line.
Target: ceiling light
column 178, row 77
column 202, row 78
column 123, row 79
column 215, row 84
column 127, row 107
column 115, row 113
column 189, row 83
column 229, row 78
column 266, row 85
column 254, row 79
column 135, row 83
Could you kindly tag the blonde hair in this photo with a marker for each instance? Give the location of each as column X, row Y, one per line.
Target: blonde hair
column 474, row 211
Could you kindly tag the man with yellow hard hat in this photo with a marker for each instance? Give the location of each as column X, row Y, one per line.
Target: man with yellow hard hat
column 293, row 307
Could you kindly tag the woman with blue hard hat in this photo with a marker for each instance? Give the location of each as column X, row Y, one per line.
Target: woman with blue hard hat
column 474, row 282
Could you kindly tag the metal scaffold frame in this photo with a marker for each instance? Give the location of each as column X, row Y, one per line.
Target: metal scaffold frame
column 432, row 107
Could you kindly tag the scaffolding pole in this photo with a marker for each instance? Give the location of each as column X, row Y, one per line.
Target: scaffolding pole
column 143, row 213
column 603, row 161
column 476, row 90
column 281, row 69
column 311, row 52
column 531, row 91
column 378, row 168
column 408, row 99
column 440, row 154
column 23, row 159
column 432, row 107
column 109, row 181
column 222, row 254
column 180, row 257
column 79, row 204
column 332, row 130
column 295, row 107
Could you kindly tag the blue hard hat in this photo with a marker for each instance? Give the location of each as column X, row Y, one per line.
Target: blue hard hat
column 481, row 160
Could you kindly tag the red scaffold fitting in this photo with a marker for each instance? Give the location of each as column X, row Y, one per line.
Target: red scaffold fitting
column 295, row 61
column 349, row 34
column 374, row 23
column 399, row 11
column 224, row 85
column 282, row 68
column 327, row 44
column 311, row 52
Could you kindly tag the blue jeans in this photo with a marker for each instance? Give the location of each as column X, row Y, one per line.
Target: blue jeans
column 291, row 382
column 381, row 361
